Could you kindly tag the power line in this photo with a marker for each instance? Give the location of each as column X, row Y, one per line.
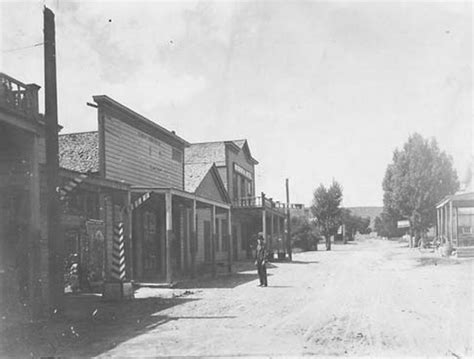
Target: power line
column 23, row 48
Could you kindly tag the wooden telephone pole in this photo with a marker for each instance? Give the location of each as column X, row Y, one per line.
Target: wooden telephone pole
column 55, row 245
column 288, row 221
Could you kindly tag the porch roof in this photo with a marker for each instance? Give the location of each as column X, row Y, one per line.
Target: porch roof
column 180, row 193
column 458, row 200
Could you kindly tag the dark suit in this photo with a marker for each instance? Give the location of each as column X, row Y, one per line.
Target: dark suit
column 260, row 258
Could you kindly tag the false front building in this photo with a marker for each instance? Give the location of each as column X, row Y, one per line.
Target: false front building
column 250, row 213
column 167, row 240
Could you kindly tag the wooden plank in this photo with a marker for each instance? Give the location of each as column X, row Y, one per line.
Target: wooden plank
column 124, row 143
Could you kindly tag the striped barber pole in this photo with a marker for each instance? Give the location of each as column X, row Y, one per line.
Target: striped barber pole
column 139, row 201
column 118, row 254
column 71, row 185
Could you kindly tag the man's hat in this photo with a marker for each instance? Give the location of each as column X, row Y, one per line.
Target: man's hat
column 260, row 234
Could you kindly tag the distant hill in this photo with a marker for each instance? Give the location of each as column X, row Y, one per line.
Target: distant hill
column 370, row 212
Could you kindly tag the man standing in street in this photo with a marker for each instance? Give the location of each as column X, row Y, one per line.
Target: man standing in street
column 261, row 259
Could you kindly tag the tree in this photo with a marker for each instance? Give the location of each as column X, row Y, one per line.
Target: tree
column 419, row 176
column 326, row 210
column 303, row 233
column 386, row 226
column 353, row 224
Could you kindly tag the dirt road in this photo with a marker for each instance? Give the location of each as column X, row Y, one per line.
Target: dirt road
column 374, row 298
column 371, row 298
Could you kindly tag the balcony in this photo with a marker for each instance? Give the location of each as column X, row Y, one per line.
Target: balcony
column 18, row 97
column 259, row 202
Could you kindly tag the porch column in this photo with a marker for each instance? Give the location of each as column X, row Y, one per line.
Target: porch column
column 437, row 223
column 168, row 235
column 183, row 237
column 272, row 228
column 213, row 239
column 128, row 225
column 457, row 227
column 229, row 239
column 445, row 222
column 451, row 221
column 264, row 218
column 193, row 239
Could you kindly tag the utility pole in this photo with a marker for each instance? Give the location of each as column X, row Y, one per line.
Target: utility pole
column 288, row 221
column 55, row 245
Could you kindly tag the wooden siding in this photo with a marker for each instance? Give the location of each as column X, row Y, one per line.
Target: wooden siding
column 241, row 159
column 135, row 157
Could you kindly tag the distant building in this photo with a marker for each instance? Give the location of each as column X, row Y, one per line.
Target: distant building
column 455, row 222
column 250, row 213
column 300, row 210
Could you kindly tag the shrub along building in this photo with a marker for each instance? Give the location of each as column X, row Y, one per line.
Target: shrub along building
column 250, row 213
column 131, row 153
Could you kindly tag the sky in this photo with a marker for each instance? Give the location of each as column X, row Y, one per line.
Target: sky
column 322, row 90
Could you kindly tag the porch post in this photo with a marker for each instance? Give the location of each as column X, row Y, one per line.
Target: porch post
column 437, row 223
column 229, row 240
column 264, row 219
column 168, row 235
column 183, row 238
column 193, row 244
column 272, row 226
column 451, row 221
column 128, row 225
column 213, row 239
column 445, row 223
column 457, row 227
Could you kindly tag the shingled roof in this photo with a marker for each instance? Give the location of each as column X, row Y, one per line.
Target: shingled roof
column 79, row 151
column 194, row 175
column 205, row 153
column 213, row 152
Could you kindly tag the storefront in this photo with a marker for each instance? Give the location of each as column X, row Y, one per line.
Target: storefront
column 251, row 214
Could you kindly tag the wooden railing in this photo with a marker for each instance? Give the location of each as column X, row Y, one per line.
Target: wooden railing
column 258, row 202
column 17, row 96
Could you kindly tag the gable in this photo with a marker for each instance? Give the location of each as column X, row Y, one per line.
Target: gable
column 210, row 187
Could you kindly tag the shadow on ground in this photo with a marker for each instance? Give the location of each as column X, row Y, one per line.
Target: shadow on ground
column 221, row 281
column 303, row 262
column 429, row 261
column 88, row 327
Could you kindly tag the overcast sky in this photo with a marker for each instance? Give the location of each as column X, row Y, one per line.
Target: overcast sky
column 321, row 90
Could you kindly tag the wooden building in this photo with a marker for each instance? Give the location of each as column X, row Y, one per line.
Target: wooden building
column 455, row 222
column 132, row 149
column 250, row 213
column 24, row 257
column 91, row 209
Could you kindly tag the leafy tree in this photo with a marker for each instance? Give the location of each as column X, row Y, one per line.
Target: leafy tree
column 386, row 225
column 326, row 210
column 419, row 176
column 304, row 234
column 353, row 224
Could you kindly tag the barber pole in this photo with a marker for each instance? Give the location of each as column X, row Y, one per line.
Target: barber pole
column 118, row 253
